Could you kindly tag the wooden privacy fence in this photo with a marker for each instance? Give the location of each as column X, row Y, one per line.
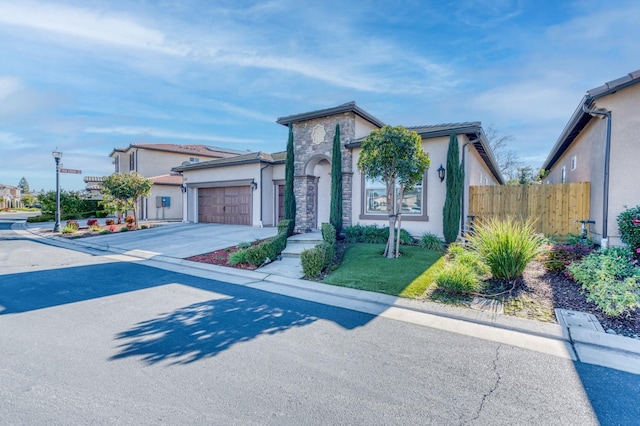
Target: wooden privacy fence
column 555, row 208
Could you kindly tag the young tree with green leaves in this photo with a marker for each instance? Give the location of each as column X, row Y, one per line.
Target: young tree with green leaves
column 123, row 190
column 335, row 215
column 289, row 195
column 455, row 185
column 395, row 156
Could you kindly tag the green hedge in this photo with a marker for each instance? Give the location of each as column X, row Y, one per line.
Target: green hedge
column 317, row 259
column 371, row 234
column 269, row 248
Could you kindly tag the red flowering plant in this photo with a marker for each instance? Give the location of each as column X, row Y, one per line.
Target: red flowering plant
column 629, row 225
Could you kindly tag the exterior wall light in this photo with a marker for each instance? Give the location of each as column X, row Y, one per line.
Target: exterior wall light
column 441, row 172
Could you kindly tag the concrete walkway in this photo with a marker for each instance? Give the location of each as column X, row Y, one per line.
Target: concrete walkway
column 165, row 248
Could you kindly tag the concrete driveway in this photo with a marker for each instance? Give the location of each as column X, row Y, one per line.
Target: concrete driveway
column 177, row 240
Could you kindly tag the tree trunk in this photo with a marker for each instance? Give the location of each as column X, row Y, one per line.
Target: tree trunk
column 399, row 216
column 389, row 251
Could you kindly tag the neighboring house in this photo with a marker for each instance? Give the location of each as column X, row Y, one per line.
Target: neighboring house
column 154, row 161
column 249, row 189
column 10, row 196
column 600, row 145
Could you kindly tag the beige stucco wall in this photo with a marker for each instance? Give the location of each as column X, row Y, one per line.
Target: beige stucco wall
column 363, row 127
column 589, row 148
column 173, row 212
column 437, row 149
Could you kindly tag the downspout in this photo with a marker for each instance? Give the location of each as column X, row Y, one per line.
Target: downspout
column 261, row 198
column 607, row 154
column 464, row 174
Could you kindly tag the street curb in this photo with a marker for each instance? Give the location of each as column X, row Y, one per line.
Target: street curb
column 614, row 351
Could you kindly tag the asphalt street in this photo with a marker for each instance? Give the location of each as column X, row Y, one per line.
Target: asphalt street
column 87, row 338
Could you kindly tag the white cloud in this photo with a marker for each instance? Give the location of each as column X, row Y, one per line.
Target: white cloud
column 86, row 24
column 159, row 133
column 9, row 86
column 8, row 140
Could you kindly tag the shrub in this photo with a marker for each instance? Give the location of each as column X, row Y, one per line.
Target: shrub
column 611, row 280
column 458, row 278
column 458, row 254
column 131, row 226
column 144, row 226
column 371, row 234
column 328, row 233
column 244, row 245
column 430, row 241
column 129, row 219
column 506, row 246
column 125, row 228
column 92, row 222
column 41, row 218
column 237, row 257
column 269, row 248
column 629, row 224
column 72, row 224
column 112, row 228
column 317, row 259
column 562, row 255
column 69, row 229
column 286, row 226
column 110, row 222
column 105, row 231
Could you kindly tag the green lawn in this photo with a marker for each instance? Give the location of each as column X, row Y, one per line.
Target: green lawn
column 364, row 268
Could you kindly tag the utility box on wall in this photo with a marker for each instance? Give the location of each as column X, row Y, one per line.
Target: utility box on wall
column 163, row 202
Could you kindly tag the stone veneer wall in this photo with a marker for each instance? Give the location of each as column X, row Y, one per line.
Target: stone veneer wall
column 304, row 149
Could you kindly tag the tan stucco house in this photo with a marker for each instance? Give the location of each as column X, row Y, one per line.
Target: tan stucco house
column 10, row 196
column 600, row 144
column 249, row 189
column 155, row 161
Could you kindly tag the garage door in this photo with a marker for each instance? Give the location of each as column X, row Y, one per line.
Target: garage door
column 229, row 205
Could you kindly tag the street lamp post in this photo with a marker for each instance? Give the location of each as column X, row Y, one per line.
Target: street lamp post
column 57, row 155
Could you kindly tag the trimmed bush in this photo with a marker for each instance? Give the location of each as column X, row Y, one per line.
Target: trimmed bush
column 104, row 232
column 130, row 219
column 72, row 224
column 328, row 233
column 611, row 280
column 41, row 218
column 110, row 222
column 629, row 224
column 286, row 225
column 371, row 234
column 269, row 248
column 317, row 259
column 506, row 246
column 430, row 241
column 92, row 222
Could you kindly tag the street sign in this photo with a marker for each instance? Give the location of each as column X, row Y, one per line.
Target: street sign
column 74, row 171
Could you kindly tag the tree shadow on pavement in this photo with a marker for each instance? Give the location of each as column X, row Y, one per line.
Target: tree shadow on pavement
column 203, row 330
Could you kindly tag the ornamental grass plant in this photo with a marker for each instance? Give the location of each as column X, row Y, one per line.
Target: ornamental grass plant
column 506, row 246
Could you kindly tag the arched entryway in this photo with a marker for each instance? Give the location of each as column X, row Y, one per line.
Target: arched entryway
column 319, row 167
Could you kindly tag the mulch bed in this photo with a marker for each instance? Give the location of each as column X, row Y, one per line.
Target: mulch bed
column 556, row 290
column 221, row 257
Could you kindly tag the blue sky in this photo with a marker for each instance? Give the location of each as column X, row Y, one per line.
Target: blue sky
column 87, row 76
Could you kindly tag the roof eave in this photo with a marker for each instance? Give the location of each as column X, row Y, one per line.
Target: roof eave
column 348, row 107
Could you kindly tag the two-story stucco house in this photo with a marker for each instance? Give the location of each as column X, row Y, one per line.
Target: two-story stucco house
column 249, row 189
column 155, row 161
column 600, row 144
column 10, row 196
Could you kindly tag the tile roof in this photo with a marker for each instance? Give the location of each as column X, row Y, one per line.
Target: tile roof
column 202, row 150
column 167, row 179
column 252, row 157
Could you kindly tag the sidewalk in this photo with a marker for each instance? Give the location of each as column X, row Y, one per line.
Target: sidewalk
column 573, row 340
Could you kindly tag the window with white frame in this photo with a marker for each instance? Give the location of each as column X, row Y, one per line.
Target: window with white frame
column 563, row 175
column 375, row 198
column 574, row 162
